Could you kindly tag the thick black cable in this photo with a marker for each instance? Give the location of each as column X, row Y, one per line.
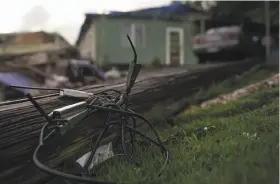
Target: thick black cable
column 90, row 179
column 38, row 107
column 112, row 102
column 160, row 145
column 123, row 145
column 59, row 173
column 135, row 115
column 156, row 143
column 38, row 88
column 88, row 162
column 130, row 113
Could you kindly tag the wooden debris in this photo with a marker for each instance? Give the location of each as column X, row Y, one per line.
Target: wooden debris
column 225, row 98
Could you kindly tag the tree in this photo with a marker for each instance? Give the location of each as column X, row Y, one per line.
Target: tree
column 237, row 10
column 240, row 10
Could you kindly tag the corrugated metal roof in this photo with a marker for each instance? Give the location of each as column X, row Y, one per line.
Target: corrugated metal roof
column 15, row 79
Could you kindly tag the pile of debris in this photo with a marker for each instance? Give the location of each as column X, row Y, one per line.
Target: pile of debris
column 225, row 98
column 64, row 68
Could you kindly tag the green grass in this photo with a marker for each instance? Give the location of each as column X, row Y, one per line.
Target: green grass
column 253, row 75
column 224, row 156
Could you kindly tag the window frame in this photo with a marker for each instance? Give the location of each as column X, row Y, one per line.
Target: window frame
column 143, row 34
column 132, row 34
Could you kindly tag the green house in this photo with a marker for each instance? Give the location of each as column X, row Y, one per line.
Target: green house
column 161, row 34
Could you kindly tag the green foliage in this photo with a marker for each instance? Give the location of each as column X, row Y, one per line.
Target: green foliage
column 239, row 10
column 229, row 155
column 251, row 76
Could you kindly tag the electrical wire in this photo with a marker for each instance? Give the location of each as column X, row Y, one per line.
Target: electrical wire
column 59, row 173
column 107, row 108
column 38, row 88
column 115, row 104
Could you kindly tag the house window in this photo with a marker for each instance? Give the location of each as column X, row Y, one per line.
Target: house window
column 127, row 29
column 140, row 34
column 137, row 34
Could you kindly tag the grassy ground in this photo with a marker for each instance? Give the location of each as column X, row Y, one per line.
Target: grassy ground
column 256, row 74
column 242, row 149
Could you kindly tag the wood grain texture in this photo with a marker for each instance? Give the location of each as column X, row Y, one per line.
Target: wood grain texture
column 20, row 123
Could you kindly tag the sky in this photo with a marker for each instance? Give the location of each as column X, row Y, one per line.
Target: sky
column 62, row 16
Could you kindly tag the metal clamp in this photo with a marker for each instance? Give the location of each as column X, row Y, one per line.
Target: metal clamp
column 68, row 116
column 75, row 93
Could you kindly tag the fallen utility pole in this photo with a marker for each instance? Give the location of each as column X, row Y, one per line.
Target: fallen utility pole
column 20, row 123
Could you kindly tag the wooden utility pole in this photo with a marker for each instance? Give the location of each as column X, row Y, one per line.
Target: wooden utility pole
column 202, row 26
column 267, row 29
column 151, row 97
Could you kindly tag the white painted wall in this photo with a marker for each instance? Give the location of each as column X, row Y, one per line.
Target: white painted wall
column 88, row 43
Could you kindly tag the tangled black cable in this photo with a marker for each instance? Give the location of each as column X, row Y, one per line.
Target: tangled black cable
column 115, row 104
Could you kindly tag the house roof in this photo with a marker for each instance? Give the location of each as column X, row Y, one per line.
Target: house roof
column 10, row 38
column 163, row 12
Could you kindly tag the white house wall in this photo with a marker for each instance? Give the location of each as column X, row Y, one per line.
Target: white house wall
column 88, row 43
column 189, row 33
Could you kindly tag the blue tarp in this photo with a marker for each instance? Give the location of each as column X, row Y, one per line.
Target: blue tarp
column 15, row 79
column 176, row 7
